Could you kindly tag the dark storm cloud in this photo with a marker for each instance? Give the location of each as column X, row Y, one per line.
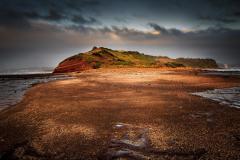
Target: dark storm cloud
column 226, row 4
column 223, row 11
column 81, row 20
column 219, row 19
column 19, row 13
column 237, row 14
column 193, row 28
column 15, row 18
column 53, row 15
column 165, row 31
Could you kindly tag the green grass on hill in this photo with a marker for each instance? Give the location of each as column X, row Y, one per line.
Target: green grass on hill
column 104, row 57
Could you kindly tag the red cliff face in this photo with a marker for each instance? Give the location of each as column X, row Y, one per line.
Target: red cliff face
column 71, row 65
column 84, row 61
column 79, row 62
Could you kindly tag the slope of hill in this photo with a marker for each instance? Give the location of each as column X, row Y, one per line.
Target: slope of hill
column 103, row 57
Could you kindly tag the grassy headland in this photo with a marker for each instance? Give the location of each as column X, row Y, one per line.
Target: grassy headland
column 107, row 58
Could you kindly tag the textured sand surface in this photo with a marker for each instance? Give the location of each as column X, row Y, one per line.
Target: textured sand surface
column 122, row 114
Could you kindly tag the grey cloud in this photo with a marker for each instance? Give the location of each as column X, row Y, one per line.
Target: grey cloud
column 237, row 13
column 164, row 31
column 219, row 19
column 53, row 15
column 228, row 4
column 80, row 23
column 15, row 18
column 81, row 20
column 224, row 11
column 18, row 14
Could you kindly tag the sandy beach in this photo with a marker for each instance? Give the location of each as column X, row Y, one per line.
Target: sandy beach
column 122, row 113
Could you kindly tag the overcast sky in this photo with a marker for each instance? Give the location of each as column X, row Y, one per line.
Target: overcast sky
column 41, row 33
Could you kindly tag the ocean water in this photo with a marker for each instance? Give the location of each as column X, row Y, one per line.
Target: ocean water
column 26, row 71
column 223, row 72
column 13, row 85
column 228, row 96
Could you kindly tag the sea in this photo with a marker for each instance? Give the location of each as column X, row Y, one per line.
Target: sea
column 225, row 96
column 15, row 82
column 223, row 72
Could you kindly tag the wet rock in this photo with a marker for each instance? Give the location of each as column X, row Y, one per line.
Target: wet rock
column 129, row 143
column 132, row 142
column 126, row 153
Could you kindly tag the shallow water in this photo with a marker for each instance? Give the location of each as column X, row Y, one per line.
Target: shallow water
column 26, row 71
column 223, row 72
column 13, row 87
column 228, row 96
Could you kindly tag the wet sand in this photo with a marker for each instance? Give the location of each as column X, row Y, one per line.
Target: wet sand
column 122, row 114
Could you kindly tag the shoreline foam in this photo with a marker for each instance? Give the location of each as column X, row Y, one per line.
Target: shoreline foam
column 228, row 96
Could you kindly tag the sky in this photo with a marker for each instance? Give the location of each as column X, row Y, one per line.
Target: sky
column 41, row 33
